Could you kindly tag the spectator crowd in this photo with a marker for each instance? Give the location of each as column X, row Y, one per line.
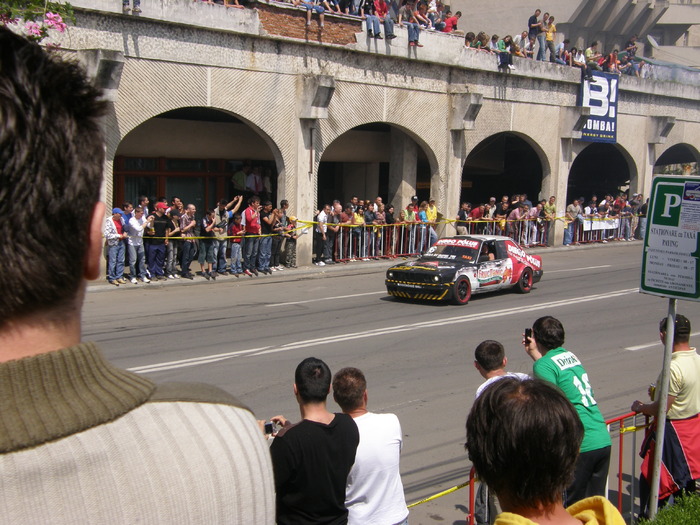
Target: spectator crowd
column 261, row 239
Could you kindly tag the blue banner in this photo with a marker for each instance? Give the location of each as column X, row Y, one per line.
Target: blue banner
column 600, row 94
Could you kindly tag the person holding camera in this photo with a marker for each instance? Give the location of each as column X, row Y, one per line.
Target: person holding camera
column 553, row 363
column 311, row 459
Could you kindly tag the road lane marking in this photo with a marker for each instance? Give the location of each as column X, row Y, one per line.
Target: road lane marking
column 578, row 269
column 271, row 305
column 649, row 345
column 254, row 352
column 333, row 298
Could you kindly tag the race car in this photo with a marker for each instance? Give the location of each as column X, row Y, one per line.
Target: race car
column 454, row 268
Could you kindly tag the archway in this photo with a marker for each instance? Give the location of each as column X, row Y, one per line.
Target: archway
column 193, row 153
column 599, row 169
column 680, row 159
column 359, row 163
column 504, row 163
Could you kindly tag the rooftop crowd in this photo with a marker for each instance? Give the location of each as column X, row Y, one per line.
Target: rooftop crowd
column 84, row 441
column 260, row 239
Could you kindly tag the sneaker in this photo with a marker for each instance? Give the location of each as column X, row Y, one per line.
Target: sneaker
column 378, row 37
column 272, row 269
column 121, row 280
column 320, row 263
column 137, row 9
column 145, row 280
column 188, row 276
column 418, row 44
column 511, row 67
column 280, row 268
column 126, row 9
column 412, row 44
column 390, row 37
column 206, row 275
column 370, row 34
column 236, row 275
column 329, row 261
column 255, row 271
column 213, row 276
column 115, row 283
column 171, row 276
column 246, row 272
column 177, row 276
column 133, row 280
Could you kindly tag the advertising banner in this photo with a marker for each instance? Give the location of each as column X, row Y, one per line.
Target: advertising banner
column 600, row 94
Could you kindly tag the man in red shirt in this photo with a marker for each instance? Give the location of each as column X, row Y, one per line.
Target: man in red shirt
column 251, row 242
column 381, row 9
column 451, row 22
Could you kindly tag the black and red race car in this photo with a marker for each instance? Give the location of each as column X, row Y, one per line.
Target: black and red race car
column 454, row 268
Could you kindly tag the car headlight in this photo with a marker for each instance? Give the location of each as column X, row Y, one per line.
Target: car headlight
column 436, row 278
column 390, row 275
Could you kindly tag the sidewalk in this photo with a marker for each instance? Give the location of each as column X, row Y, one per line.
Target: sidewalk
column 348, row 268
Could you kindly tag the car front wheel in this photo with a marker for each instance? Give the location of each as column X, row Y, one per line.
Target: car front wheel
column 462, row 291
column 525, row 282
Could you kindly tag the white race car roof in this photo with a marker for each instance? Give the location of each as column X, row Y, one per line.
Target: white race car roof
column 482, row 237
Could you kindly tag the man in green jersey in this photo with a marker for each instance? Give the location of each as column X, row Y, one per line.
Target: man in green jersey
column 557, row 365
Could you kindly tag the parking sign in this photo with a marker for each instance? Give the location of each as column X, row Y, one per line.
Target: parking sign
column 670, row 261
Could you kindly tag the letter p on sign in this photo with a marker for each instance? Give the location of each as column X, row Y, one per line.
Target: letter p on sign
column 672, row 201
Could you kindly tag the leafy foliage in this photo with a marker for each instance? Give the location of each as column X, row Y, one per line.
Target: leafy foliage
column 36, row 17
column 685, row 511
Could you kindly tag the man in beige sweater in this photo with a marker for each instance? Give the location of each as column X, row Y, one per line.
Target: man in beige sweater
column 82, row 441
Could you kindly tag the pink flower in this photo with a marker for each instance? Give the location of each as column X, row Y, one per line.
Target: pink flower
column 6, row 19
column 54, row 21
column 32, row 29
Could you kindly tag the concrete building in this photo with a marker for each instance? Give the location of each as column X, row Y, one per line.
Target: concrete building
column 198, row 90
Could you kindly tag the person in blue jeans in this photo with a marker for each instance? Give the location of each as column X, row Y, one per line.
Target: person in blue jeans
column 115, row 235
column 267, row 219
column 312, row 6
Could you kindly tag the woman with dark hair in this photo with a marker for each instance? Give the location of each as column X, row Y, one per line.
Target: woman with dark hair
column 523, row 437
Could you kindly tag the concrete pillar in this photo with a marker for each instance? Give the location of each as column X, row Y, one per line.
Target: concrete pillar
column 402, row 170
column 446, row 187
column 557, row 184
column 302, row 197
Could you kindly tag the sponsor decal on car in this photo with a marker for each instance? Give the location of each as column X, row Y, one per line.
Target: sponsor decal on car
column 519, row 254
column 467, row 243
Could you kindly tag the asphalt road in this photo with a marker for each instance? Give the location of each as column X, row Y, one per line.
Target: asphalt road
column 247, row 336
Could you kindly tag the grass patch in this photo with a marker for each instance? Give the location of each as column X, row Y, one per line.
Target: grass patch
column 685, row 511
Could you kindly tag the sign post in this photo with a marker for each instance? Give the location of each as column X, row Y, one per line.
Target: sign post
column 670, row 269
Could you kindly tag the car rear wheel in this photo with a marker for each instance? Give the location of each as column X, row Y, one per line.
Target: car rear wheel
column 525, row 282
column 462, row 291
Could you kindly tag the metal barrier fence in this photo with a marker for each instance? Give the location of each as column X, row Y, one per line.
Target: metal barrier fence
column 352, row 243
column 619, row 424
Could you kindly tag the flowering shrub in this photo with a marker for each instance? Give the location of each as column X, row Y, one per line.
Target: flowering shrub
column 39, row 17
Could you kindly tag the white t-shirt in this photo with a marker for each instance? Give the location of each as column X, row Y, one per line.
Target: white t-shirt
column 486, row 383
column 374, row 494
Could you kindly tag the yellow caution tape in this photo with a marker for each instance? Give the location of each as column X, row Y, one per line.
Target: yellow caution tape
column 439, row 494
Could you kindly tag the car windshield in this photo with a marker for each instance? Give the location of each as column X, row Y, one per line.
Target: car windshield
column 462, row 250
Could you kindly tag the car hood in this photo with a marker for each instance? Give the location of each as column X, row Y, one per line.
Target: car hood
column 431, row 265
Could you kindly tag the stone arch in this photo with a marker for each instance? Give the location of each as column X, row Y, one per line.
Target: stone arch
column 374, row 158
column 211, row 143
column 675, row 158
column 505, row 162
column 601, row 168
